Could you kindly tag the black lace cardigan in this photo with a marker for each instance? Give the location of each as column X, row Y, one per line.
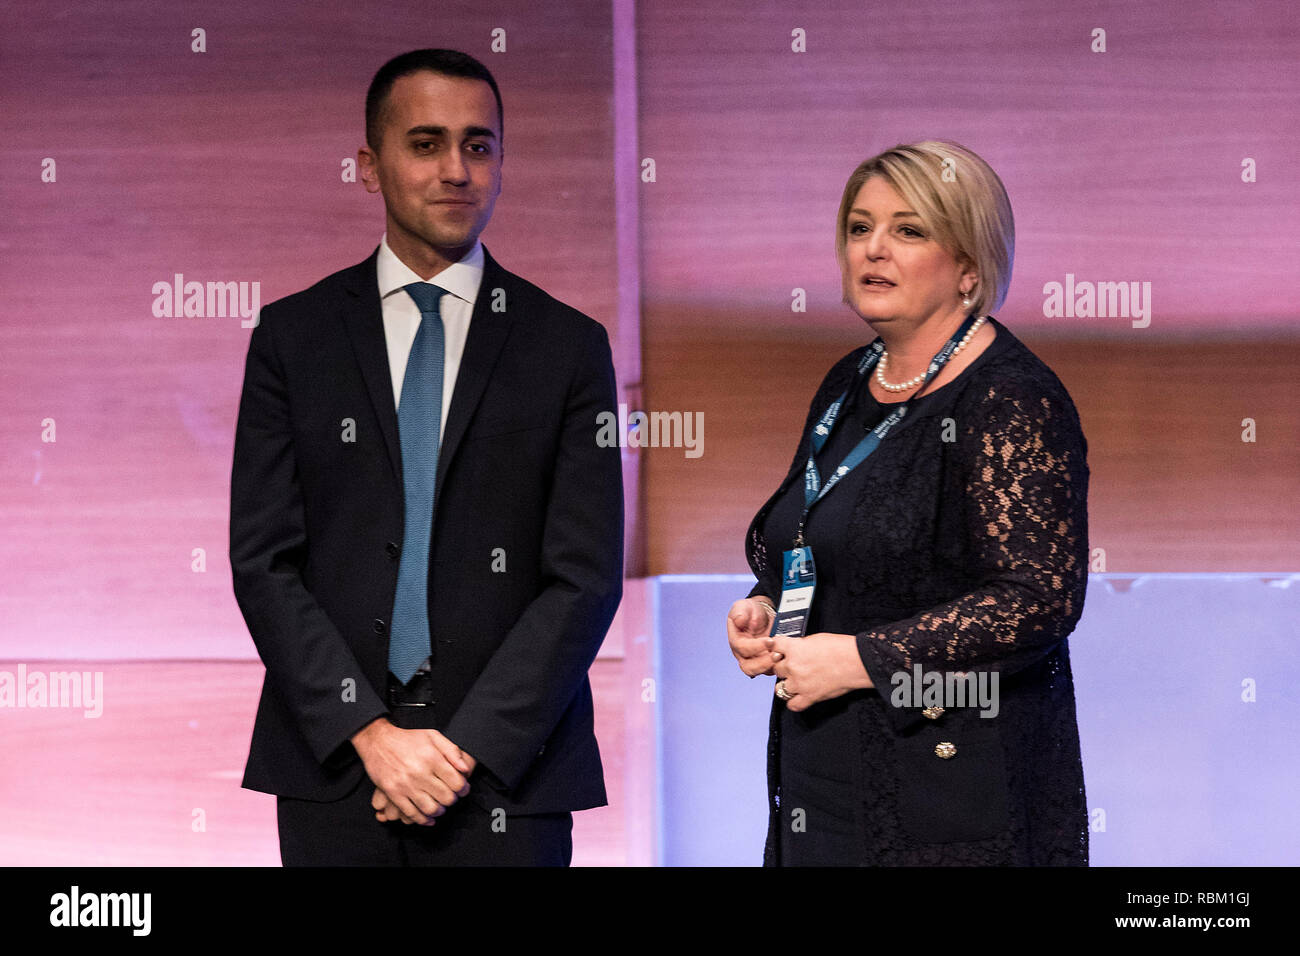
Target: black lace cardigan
column 972, row 554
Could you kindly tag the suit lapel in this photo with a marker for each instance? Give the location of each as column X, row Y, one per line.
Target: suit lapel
column 363, row 318
column 488, row 331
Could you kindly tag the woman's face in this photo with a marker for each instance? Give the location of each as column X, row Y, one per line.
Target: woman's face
column 885, row 238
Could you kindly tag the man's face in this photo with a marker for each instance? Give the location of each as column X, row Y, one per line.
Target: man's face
column 438, row 166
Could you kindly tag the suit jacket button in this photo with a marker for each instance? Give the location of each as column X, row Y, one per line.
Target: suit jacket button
column 946, row 750
column 392, row 549
column 378, row 626
column 934, row 713
column 541, row 750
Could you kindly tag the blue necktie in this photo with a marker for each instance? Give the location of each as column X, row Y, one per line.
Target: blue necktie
column 419, row 420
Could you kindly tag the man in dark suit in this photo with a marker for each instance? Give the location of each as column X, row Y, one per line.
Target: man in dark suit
column 425, row 535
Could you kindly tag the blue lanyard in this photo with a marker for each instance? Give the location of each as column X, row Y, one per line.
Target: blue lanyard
column 813, row 489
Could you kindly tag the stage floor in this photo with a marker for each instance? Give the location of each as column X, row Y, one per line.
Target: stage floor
column 154, row 780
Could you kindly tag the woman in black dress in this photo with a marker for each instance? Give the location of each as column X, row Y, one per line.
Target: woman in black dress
column 928, row 716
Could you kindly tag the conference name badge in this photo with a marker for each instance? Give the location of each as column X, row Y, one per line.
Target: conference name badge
column 798, row 581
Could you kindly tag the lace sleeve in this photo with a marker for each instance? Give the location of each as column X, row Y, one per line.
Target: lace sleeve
column 1025, row 473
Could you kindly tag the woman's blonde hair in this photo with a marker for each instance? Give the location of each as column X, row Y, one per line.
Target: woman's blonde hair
column 959, row 198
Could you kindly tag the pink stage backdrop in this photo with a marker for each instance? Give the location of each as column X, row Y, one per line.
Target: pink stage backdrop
column 1140, row 143
column 135, row 160
column 672, row 169
column 1150, row 144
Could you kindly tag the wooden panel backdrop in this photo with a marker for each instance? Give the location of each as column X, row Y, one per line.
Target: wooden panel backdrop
column 222, row 165
column 1125, row 165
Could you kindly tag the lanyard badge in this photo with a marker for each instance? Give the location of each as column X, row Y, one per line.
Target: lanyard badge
column 799, row 574
column 798, row 582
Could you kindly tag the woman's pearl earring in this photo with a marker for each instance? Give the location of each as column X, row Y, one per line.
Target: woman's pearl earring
column 966, row 299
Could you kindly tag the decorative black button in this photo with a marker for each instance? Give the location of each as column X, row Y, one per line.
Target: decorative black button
column 392, row 549
column 378, row 626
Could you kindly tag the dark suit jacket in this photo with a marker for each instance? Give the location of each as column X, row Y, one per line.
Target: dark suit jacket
column 316, row 529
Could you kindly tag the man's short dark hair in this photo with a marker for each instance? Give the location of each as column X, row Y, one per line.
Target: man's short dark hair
column 444, row 62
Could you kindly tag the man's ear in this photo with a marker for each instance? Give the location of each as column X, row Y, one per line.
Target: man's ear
column 368, row 166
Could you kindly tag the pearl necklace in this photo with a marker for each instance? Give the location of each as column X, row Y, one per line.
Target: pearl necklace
column 913, row 382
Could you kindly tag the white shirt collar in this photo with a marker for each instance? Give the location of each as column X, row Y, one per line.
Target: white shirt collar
column 461, row 279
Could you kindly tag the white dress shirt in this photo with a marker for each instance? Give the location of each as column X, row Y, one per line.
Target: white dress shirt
column 402, row 317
